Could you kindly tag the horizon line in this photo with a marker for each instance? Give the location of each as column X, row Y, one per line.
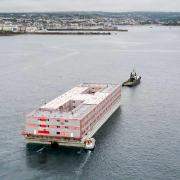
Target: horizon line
column 88, row 11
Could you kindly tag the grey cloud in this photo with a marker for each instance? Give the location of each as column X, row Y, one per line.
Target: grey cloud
column 89, row 5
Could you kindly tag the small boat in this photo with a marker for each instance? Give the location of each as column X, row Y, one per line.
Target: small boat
column 133, row 80
column 89, row 144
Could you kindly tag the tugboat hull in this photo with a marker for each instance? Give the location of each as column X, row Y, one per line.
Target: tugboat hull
column 132, row 83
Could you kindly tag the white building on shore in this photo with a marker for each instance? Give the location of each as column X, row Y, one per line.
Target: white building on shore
column 12, row 28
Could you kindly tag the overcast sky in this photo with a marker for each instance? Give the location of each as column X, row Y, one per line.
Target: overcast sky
column 89, row 5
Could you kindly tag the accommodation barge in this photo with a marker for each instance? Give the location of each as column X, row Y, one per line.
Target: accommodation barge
column 74, row 117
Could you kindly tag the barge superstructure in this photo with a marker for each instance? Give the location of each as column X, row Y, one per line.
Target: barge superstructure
column 74, row 117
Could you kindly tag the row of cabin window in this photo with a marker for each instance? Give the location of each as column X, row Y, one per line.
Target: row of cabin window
column 43, row 125
column 56, row 126
column 92, row 116
column 99, row 115
column 60, row 126
column 94, row 120
column 90, row 123
column 43, row 119
column 105, row 103
column 64, row 121
column 57, row 120
column 101, row 108
column 56, row 132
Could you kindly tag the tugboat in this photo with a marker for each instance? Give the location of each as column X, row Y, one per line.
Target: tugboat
column 133, row 80
column 89, row 144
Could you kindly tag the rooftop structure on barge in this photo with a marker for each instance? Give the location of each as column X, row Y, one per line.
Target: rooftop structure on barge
column 74, row 117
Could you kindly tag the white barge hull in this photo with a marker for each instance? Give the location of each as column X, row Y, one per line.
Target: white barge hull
column 79, row 144
column 73, row 118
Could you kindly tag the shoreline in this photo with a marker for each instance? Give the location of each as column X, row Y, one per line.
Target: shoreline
column 53, row 33
column 85, row 30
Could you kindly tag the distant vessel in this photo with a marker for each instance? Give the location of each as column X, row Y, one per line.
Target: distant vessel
column 133, row 80
column 74, row 117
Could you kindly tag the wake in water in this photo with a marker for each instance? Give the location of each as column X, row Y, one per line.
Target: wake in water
column 40, row 150
column 82, row 165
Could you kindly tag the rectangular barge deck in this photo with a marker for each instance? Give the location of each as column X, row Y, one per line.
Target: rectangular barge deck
column 74, row 117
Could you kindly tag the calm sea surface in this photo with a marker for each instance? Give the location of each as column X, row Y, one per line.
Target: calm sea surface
column 141, row 141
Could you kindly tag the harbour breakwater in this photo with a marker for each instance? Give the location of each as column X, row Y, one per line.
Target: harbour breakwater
column 64, row 32
column 71, row 33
